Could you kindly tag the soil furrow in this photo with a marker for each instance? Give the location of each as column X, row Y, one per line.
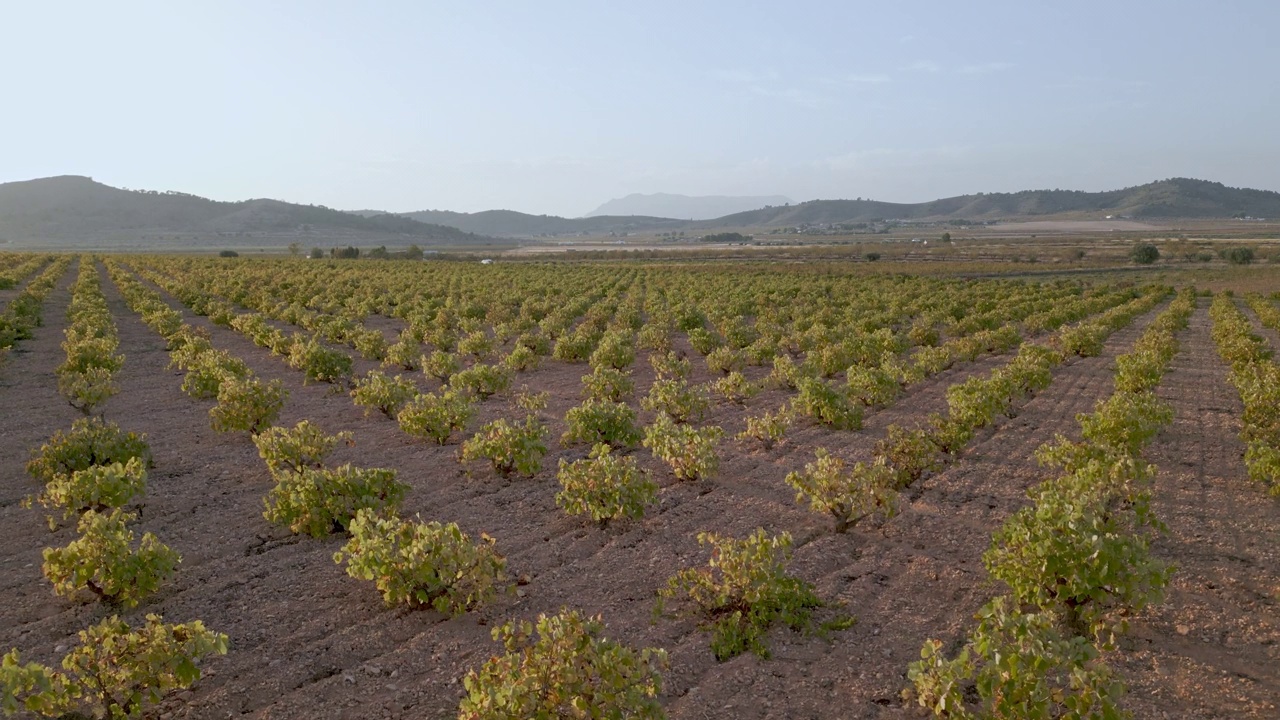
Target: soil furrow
column 1211, row 648
column 309, row 641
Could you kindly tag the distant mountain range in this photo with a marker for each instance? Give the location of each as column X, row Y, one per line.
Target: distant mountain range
column 1165, row 199
column 509, row 223
column 634, row 213
column 75, row 210
column 685, row 207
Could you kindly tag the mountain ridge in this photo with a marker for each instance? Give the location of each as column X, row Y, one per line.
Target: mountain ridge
column 1162, row 199
column 78, row 209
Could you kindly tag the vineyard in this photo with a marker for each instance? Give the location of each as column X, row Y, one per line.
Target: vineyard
column 286, row 488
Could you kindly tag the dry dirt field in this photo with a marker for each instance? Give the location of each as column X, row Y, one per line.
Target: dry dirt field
column 307, row 641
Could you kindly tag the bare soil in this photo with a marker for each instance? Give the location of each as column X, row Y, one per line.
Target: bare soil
column 1210, row 650
column 307, row 641
column 1078, row 226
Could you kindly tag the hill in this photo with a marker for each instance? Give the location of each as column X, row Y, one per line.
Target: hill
column 77, row 211
column 1174, row 198
column 666, row 205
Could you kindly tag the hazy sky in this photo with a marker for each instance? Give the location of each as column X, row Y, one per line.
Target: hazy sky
column 555, row 107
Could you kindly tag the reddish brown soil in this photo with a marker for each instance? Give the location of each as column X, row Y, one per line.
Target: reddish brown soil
column 309, row 642
column 1211, row 649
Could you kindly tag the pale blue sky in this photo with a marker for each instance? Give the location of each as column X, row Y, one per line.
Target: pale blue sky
column 555, row 107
